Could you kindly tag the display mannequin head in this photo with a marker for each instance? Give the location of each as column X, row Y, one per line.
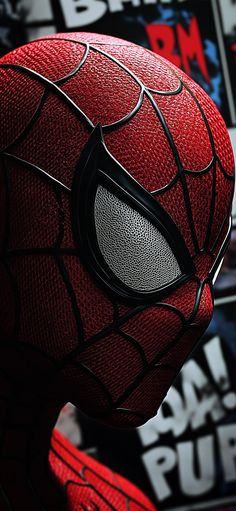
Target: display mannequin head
column 116, row 190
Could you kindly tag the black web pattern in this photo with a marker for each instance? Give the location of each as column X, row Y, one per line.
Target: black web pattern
column 57, row 252
column 85, row 483
column 60, row 187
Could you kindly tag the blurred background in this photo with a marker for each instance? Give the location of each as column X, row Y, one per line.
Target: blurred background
column 185, row 457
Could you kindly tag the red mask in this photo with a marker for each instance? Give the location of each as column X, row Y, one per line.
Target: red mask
column 116, row 191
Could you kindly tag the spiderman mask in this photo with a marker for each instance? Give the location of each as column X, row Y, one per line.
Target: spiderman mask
column 117, row 179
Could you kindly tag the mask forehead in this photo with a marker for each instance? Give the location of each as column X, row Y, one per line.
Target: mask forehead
column 159, row 125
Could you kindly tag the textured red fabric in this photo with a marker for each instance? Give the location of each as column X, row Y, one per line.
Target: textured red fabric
column 114, row 360
column 108, row 107
column 223, row 196
column 185, row 126
column 42, row 222
column 170, row 140
column 216, row 124
column 96, row 313
column 57, row 154
column 173, row 201
column 15, row 115
column 146, row 153
column 89, row 484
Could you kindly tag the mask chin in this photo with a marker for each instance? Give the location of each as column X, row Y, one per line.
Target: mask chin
column 122, row 419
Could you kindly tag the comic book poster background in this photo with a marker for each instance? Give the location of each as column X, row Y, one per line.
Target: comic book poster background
column 12, row 30
column 230, row 45
column 187, row 32
column 228, row 22
column 197, row 35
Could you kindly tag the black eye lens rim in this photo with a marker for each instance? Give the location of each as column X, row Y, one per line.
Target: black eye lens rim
column 96, row 167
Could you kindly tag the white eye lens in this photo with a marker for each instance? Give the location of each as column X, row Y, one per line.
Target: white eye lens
column 133, row 248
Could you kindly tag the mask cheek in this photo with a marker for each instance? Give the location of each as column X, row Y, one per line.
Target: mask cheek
column 148, row 395
column 95, row 309
column 101, row 373
column 154, row 329
column 118, row 365
column 177, row 356
column 113, row 382
column 205, row 309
